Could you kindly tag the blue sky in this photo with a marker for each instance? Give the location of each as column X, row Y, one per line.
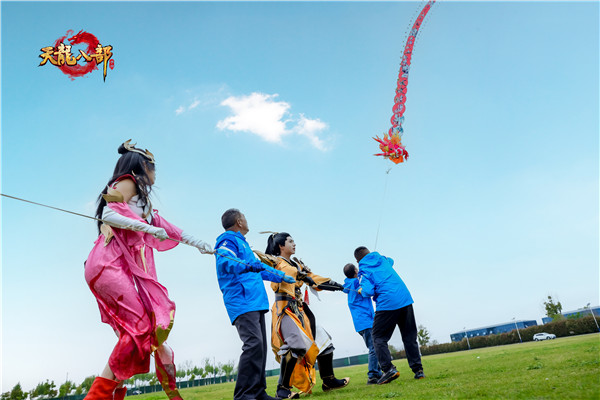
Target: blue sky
column 270, row 108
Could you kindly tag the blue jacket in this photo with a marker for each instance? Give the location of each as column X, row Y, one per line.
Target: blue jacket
column 361, row 308
column 379, row 280
column 243, row 291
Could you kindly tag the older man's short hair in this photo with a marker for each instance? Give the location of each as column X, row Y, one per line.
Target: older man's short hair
column 230, row 217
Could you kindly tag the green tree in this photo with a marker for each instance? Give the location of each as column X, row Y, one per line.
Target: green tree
column 187, row 367
column 87, row 383
column 218, row 369
column 197, row 372
column 140, row 379
column 227, row 368
column 422, row 335
column 17, row 393
column 65, row 388
column 5, row 396
column 208, row 367
column 553, row 309
column 44, row 390
column 52, row 392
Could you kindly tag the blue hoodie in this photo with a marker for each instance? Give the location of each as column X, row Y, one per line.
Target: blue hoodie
column 243, row 291
column 379, row 280
column 360, row 307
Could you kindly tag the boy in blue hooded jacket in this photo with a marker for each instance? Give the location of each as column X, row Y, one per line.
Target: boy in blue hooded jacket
column 394, row 307
column 240, row 275
column 361, row 309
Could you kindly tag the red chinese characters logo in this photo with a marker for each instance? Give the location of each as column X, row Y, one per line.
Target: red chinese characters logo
column 95, row 54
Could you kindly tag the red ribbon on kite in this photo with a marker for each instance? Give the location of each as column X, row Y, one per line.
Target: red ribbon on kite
column 391, row 143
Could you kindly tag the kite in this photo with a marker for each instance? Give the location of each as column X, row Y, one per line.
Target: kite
column 391, row 143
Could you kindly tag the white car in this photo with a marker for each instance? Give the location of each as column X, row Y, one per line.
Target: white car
column 543, row 336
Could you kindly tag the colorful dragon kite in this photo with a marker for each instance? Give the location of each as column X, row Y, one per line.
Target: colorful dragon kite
column 391, row 143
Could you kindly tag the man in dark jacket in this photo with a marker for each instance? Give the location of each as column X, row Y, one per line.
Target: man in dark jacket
column 393, row 307
column 240, row 275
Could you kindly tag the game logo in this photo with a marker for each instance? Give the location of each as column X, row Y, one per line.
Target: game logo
column 61, row 55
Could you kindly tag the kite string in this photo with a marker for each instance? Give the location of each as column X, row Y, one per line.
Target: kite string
column 387, row 174
column 98, row 219
column 103, row 221
column 79, row 215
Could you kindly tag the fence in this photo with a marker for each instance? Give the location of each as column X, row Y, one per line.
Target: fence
column 338, row 362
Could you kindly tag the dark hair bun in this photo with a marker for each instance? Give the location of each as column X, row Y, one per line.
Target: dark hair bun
column 122, row 149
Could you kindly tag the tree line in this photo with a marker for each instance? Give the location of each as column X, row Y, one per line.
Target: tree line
column 185, row 372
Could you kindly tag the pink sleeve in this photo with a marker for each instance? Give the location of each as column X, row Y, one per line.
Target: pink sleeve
column 133, row 237
column 173, row 232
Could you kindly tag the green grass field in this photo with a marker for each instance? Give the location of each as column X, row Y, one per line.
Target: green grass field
column 564, row 368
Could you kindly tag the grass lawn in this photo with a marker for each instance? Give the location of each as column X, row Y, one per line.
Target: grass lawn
column 564, row 368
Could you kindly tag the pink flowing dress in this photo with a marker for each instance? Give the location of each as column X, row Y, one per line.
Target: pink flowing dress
column 122, row 276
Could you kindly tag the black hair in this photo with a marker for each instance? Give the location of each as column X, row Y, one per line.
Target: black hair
column 230, row 217
column 350, row 270
column 130, row 163
column 360, row 252
column 274, row 241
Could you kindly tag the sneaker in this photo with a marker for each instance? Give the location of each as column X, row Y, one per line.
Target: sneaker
column 372, row 381
column 389, row 376
column 419, row 374
column 333, row 383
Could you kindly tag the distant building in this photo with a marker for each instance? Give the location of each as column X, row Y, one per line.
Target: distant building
column 581, row 312
column 492, row 329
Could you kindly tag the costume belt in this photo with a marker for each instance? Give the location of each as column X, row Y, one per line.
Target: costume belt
column 284, row 297
column 292, row 303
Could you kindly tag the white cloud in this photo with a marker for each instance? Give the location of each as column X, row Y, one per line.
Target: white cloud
column 182, row 109
column 262, row 115
column 257, row 113
column 309, row 128
column 194, row 104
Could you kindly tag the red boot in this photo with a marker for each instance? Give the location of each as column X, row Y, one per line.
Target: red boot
column 120, row 393
column 102, row 389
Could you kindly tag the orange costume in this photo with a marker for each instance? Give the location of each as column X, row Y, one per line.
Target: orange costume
column 296, row 338
column 288, row 301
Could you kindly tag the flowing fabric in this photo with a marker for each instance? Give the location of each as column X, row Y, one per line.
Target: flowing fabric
column 122, row 276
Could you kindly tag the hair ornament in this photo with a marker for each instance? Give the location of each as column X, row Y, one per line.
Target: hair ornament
column 131, row 147
column 271, row 232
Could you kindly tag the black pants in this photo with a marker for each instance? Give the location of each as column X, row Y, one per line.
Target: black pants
column 383, row 327
column 251, row 381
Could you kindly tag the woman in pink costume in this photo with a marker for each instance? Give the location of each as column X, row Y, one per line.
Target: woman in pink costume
column 121, row 274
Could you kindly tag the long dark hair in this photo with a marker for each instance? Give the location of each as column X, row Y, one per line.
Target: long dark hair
column 274, row 241
column 130, row 163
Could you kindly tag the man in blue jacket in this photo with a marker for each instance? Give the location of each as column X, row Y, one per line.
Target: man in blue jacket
column 361, row 309
column 240, row 275
column 394, row 307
